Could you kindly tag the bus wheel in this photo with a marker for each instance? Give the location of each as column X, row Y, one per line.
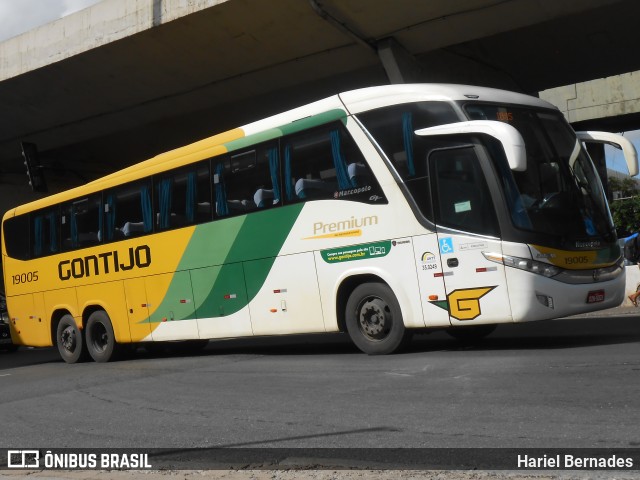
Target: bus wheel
column 101, row 342
column 374, row 320
column 471, row 333
column 70, row 341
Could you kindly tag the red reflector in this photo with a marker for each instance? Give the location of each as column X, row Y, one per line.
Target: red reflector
column 480, row 270
column 595, row 296
column 227, row 297
column 183, row 301
column 276, row 291
column 438, row 275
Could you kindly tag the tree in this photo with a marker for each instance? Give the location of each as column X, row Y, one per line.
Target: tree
column 626, row 216
column 626, row 186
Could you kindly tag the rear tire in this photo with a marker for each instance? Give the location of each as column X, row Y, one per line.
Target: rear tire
column 101, row 341
column 70, row 341
column 374, row 319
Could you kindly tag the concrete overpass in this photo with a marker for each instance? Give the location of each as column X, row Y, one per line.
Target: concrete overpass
column 611, row 103
column 127, row 79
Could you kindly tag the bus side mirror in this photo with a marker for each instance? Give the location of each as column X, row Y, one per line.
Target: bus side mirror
column 617, row 141
column 508, row 136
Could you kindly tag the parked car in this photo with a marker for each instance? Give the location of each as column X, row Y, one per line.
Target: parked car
column 5, row 335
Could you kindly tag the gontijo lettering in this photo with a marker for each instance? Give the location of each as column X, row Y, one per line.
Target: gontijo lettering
column 103, row 263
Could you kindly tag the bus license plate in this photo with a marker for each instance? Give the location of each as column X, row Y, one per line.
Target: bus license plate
column 595, row 296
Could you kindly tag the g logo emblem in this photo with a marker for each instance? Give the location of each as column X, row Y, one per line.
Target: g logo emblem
column 465, row 304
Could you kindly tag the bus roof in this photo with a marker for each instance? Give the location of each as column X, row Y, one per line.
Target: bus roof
column 351, row 102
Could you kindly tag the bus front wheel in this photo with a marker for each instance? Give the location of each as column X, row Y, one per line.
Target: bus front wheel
column 101, row 341
column 70, row 341
column 374, row 319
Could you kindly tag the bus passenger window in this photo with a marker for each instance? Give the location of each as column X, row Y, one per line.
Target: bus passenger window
column 325, row 163
column 182, row 197
column 80, row 223
column 128, row 211
column 247, row 181
column 45, row 232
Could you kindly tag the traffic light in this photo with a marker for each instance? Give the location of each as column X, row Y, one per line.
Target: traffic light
column 34, row 169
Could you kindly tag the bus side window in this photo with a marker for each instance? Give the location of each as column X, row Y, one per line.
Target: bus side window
column 16, row 233
column 45, row 232
column 326, row 163
column 182, row 197
column 246, row 181
column 80, row 223
column 393, row 129
column 128, row 211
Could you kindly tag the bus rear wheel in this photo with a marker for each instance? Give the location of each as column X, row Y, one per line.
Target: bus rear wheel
column 70, row 341
column 374, row 319
column 101, row 341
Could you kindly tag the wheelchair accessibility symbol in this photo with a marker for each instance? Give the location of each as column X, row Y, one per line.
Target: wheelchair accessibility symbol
column 446, row 245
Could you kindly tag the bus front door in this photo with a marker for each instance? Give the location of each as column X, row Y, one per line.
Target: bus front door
column 467, row 227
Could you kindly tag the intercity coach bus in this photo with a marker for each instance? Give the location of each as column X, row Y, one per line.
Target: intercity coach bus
column 377, row 212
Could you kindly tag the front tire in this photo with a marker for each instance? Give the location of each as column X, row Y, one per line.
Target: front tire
column 70, row 341
column 374, row 319
column 101, row 341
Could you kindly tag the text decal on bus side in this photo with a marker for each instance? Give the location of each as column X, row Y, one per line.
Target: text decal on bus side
column 356, row 252
column 104, row 263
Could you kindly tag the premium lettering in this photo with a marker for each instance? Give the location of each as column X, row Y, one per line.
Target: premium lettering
column 104, row 263
column 353, row 222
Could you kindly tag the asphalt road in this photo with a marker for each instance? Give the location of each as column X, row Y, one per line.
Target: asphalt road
column 563, row 383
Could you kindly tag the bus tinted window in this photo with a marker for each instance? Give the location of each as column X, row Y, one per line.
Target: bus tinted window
column 45, row 232
column 462, row 198
column 393, row 128
column 81, row 223
column 16, row 237
column 182, row 197
column 247, row 180
column 128, row 211
column 326, row 163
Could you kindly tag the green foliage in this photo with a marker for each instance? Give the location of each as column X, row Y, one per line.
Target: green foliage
column 626, row 215
column 626, row 186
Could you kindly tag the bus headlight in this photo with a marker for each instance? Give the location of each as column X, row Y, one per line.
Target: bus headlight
column 526, row 264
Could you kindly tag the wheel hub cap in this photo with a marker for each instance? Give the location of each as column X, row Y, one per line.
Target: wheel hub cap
column 69, row 339
column 373, row 317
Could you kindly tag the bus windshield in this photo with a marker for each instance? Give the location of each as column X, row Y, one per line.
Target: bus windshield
column 559, row 193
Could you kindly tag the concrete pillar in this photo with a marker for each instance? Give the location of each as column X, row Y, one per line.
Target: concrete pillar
column 398, row 63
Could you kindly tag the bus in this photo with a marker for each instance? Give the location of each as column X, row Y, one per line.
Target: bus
column 378, row 212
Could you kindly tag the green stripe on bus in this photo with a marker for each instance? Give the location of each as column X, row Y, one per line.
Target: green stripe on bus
column 293, row 127
column 221, row 289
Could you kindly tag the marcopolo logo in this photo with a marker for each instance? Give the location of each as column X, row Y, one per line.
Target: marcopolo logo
column 104, row 263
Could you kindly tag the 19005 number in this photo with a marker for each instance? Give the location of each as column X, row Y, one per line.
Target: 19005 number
column 25, row 278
